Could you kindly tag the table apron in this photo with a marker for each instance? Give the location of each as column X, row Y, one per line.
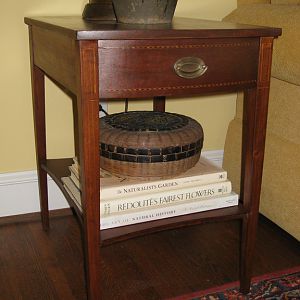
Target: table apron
column 143, row 68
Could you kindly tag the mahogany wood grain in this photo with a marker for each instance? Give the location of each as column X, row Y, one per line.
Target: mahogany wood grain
column 55, row 53
column 76, row 28
column 57, row 168
column 256, row 104
column 34, row 217
column 146, row 67
column 112, row 60
column 159, row 103
column 88, row 129
column 38, row 103
column 36, row 266
column 75, row 125
column 118, row 234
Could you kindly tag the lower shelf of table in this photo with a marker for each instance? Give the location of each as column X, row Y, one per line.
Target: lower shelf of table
column 58, row 168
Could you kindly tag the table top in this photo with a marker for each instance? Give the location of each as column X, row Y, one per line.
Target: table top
column 79, row 29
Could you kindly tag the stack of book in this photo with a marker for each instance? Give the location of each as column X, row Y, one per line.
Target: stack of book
column 127, row 201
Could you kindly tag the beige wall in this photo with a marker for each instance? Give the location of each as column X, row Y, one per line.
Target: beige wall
column 16, row 127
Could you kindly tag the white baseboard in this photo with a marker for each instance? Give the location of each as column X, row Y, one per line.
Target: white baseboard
column 215, row 155
column 19, row 191
column 19, row 194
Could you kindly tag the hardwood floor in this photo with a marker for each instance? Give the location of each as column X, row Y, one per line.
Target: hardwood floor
column 39, row 265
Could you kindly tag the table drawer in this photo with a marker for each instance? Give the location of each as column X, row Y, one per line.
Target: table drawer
column 143, row 68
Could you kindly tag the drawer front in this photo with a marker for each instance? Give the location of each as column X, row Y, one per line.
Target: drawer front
column 143, row 68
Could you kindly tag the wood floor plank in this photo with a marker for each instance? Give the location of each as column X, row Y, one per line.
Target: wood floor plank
column 35, row 265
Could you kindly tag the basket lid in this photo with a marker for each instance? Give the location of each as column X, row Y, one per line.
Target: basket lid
column 146, row 121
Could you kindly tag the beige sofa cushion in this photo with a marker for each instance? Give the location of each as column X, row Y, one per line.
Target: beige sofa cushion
column 286, row 62
column 284, row 110
column 242, row 2
column 281, row 179
column 281, row 176
column 297, row 2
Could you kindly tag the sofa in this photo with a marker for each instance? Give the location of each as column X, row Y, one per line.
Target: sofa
column 280, row 194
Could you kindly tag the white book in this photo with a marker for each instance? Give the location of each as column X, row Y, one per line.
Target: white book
column 204, row 172
column 156, row 199
column 168, row 211
column 195, row 206
column 78, row 204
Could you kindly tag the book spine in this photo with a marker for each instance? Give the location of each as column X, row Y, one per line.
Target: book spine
column 161, row 186
column 153, row 200
column 159, row 199
column 75, row 180
column 130, row 218
column 75, row 199
column 135, row 189
column 74, row 170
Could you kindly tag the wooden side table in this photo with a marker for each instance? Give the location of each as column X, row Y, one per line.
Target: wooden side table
column 93, row 61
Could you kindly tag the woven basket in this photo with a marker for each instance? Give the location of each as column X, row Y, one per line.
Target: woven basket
column 149, row 144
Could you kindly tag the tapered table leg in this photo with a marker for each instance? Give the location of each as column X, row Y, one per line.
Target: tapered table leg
column 38, row 102
column 88, row 132
column 253, row 145
column 159, row 103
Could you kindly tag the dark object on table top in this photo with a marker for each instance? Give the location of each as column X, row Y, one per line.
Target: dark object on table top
column 101, row 10
column 144, row 12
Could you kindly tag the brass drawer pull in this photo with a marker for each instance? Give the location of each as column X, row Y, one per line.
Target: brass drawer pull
column 190, row 67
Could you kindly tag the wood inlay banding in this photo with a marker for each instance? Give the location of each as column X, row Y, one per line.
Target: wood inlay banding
column 155, row 47
column 206, row 85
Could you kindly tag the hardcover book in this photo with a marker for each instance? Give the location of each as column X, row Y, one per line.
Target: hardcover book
column 204, row 172
column 153, row 199
column 130, row 217
column 189, row 207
